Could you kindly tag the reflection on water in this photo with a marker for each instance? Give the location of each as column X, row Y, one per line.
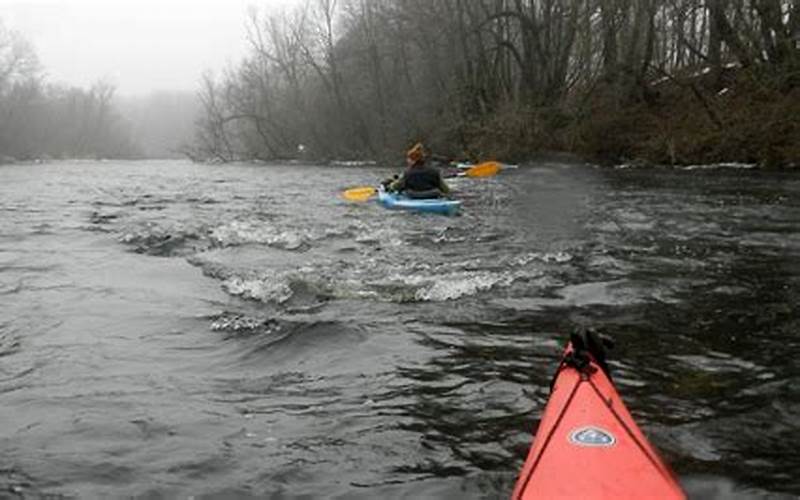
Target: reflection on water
column 168, row 329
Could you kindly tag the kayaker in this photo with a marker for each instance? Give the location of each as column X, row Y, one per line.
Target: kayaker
column 419, row 180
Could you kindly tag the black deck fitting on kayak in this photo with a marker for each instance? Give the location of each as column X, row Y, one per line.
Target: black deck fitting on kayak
column 588, row 341
column 587, row 345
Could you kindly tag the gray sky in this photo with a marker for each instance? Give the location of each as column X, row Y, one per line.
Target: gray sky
column 139, row 45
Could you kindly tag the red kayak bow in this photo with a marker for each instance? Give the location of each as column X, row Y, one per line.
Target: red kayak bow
column 587, row 445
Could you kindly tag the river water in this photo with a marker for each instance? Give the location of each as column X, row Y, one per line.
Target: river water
column 170, row 330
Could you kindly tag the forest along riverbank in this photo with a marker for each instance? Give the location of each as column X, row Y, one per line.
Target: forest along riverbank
column 670, row 82
column 177, row 329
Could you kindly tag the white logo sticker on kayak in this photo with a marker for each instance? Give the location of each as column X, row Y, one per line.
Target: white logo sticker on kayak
column 592, row 436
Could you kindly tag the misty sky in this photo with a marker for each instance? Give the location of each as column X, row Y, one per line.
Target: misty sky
column 139, row 45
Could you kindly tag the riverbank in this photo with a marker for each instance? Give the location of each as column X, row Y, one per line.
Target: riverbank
column 676, row 120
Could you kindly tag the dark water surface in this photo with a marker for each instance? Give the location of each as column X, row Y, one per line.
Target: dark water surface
column 173, row 330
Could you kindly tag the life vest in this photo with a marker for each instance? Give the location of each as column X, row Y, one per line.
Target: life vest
column 421, row 179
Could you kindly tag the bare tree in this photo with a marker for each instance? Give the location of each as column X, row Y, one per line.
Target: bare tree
column 360, row 77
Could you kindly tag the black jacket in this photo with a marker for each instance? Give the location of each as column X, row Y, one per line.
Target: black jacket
column 420, row 179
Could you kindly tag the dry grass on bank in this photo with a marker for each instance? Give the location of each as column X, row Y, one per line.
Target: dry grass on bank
column 746, row 120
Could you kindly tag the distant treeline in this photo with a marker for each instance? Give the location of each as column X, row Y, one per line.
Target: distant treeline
column 662, row 80
column 40, row 120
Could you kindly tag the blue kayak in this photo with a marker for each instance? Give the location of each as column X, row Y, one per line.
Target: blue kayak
column 433, row 205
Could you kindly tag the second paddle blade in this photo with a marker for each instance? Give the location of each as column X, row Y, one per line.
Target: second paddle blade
column 359, row 193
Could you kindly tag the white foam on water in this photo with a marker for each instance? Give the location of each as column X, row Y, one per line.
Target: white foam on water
column 547, row 257
column 709, row 166
column 262, row 289
column 353, row 163
column 451, row 287
column 716, row 166
column 235, row 323
column 259, row 232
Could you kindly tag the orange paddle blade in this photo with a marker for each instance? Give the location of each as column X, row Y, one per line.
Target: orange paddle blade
column 360, row 193
column 484, row 169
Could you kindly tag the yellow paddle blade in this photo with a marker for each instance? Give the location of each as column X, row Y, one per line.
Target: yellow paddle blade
column 484, row 169
column 360, row 193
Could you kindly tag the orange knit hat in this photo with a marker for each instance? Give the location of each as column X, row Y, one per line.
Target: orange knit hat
column 416, row 153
